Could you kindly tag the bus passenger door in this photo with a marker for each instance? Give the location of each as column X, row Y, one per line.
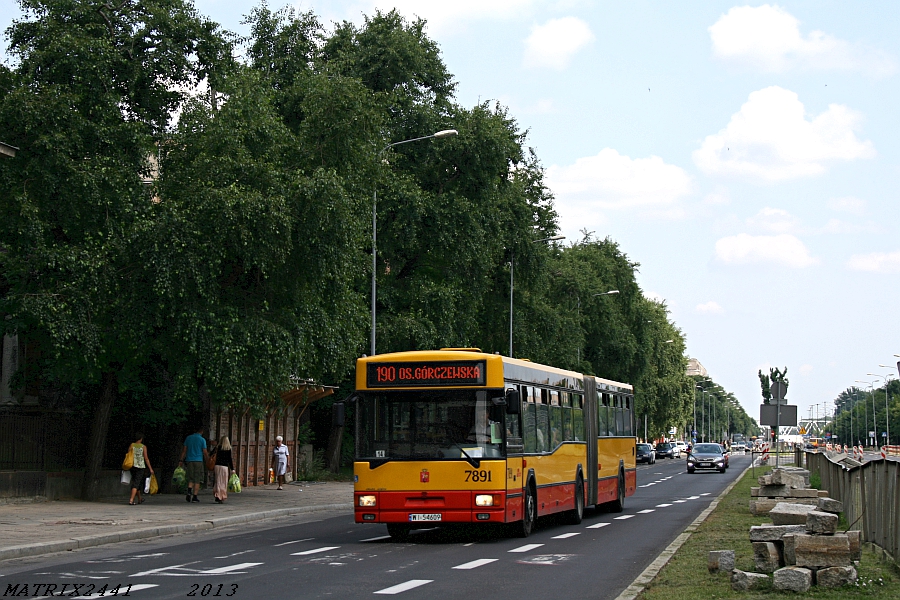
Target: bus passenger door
column 590, row 434
column 515, row 472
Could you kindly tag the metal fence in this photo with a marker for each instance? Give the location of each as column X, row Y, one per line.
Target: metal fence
column 870, row 493
column 48, row 441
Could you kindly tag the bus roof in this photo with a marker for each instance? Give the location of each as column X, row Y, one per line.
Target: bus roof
column 514, row 369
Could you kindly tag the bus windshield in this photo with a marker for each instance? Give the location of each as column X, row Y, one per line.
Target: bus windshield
column 438, row 424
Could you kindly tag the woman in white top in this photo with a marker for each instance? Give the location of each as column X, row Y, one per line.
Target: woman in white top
column 280, row 461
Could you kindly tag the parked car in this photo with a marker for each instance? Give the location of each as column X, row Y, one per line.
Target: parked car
column 682, row 447
column 646, row 453
column 667, row 450
column 707, row 456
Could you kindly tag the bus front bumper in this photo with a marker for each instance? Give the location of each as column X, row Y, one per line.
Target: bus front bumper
column 430, row 508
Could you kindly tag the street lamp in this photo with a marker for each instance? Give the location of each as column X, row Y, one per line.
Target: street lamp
column 870, row 384
column 887, row 408
column 437, row 136
column 884, row 379
column 512, row 260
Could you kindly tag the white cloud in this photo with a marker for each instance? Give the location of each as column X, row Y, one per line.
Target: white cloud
column 806, row 369
column 710, row 308
column 876, row 262
column 774, row 220
column 553, row 44
column 768, row 38
column 847, row 204
column 782, row 249
column 771, row 139
column 611, row 180
column 719, row 196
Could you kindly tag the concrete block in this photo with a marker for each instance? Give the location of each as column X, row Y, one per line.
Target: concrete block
column 787, row 550
column 787, row 513
column 792, row 477
column 766, row 557
column 832, row 577
column 808, row 493
column 821, row 523
column 764, row 480
column 854, row 536
column 742, row 581
column 830, row 505
column 823, row 493
column 822, row 550
column 721, row 560
column 793, row 579
column 773, row 533
column 770, row 491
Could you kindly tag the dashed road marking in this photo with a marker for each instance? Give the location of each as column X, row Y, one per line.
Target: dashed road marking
column 315, row 551
column 623, row 517
column 526, row 548
column 662, row 505
column 597, row 525
column 402, row 587
column 646, row 511
column 228, row 569
column 293, row 542
column 679, row 501
column 376, row 539
column 705, row 494
column 476, row 563
column 565, row 535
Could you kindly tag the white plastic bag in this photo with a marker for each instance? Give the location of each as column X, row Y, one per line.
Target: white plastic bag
column 126, row 477
column 147, row 485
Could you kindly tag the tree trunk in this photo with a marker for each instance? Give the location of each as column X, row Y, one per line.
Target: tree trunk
column 333, row 454
column 108, row 391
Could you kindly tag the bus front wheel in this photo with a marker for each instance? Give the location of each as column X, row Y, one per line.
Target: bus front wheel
column 529, row 513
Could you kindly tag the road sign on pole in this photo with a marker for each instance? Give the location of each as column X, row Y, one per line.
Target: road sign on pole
column 778, row 390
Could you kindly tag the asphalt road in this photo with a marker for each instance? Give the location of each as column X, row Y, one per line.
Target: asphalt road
column 329, row 556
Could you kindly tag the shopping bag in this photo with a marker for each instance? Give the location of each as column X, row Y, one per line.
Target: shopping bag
column 129, row 459
column 234, row 483
column 179, row 479
column 211, row 462
column 154, row 487
column 146, row 485
column 126, row 477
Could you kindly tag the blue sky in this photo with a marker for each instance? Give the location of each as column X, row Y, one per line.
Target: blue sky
column 746, row 156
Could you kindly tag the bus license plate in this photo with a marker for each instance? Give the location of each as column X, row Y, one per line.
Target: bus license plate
column 425, row 517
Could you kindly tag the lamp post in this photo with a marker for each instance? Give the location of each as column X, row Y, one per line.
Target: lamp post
column 887, row 407
column 884, row 379
column 869, row 384
column 512, row 260
column 438, row 135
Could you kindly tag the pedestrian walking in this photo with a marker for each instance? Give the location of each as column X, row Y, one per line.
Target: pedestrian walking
column 280, row 461
column 139, row 469
column 194, row 458
column 224, row 468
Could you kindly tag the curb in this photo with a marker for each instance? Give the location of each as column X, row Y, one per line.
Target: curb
column 160, row 531
column 637, row 586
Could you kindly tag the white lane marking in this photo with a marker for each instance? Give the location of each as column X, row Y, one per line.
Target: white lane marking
column 293, row 542
column 623, row 517
column 526, row 548
column 662, row 505
column 163, row 569
column 376, row 539
column 678, row 501
column 132, row 588
column 646, row 511
column 315, row 551
column 693, row 497
column 565, row 535
column 469, row 544
column 476, row 563
column 705, row 494
column 402, row 587
column 236, row 554
column 597, row 525
column 228, row 569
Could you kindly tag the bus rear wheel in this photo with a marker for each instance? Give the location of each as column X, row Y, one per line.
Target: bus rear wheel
column 577, row 513
column 398, row 531
column 529, row 513
column 618, row 505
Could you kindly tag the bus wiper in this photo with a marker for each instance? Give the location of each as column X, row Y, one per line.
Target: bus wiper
column 472, row 461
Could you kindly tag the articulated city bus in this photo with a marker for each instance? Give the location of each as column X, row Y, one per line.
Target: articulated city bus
column 460, row 436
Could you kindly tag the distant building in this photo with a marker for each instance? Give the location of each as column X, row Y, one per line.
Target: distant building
column 695, row 368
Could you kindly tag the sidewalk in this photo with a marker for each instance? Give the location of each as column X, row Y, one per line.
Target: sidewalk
column 44, row 527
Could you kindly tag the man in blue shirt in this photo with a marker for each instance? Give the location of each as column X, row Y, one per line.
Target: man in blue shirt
column 194, row 457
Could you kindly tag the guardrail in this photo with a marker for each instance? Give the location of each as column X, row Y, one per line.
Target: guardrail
column 870, row 492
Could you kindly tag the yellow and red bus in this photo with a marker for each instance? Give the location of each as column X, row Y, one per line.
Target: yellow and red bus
column 460, row 436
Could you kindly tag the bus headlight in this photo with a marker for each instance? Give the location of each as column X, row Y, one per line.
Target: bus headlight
column 367, row 500
column 484, row 500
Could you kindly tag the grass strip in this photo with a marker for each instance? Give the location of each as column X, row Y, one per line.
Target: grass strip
column 686, row 577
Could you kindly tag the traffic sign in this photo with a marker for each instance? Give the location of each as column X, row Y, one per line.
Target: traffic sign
column 778, row 390
column 803, row 431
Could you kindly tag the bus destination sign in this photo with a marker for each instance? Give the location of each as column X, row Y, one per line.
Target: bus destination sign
column 435, row 373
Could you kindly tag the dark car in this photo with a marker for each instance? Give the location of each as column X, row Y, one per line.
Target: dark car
column 707, row 456
column 645, row 453
column 667, row 450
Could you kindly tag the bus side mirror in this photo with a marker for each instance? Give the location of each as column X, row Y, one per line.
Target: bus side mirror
column 338, row 414
column 513, row 402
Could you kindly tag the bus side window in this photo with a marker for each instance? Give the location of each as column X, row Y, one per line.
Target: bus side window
column 620, row 416
column 513, row 430
column 543, row 421
column 565, row 399
column 578, row 417
column 529, row 422
column 603, row 415
column 556, row 428
column 629, row 415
